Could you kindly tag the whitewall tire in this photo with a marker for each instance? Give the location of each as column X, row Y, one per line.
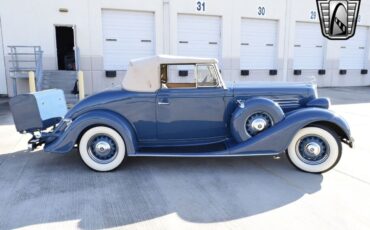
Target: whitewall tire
column 315, row 150
column 102, row 148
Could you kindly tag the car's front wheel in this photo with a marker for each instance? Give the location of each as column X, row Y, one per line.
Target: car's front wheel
column 315, row 149
column 102, row 148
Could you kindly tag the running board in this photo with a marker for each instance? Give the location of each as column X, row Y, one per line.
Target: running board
column 199, row 155
column 216, row 150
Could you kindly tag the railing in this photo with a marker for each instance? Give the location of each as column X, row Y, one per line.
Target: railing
column 77, row 58
column 24, row 59
column 39, row 69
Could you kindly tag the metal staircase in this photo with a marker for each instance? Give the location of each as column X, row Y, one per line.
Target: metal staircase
column 60, row 79
column 24, row 59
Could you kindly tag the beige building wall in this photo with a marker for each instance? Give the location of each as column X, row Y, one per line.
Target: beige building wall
column 33, row 23
column 3, row 86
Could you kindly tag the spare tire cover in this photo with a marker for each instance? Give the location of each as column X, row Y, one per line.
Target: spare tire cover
column 253, row 106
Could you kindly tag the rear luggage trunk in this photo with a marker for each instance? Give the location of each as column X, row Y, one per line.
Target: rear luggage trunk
column 38, row 111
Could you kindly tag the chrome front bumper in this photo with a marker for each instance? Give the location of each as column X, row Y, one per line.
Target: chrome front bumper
column 350, row 142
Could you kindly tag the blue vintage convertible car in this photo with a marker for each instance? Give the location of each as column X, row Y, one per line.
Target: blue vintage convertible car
column 180, row 107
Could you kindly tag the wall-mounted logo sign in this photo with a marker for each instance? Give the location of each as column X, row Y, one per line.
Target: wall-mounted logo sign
column 338, row 18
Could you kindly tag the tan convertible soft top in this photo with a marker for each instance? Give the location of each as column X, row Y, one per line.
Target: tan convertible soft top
column 143, row 75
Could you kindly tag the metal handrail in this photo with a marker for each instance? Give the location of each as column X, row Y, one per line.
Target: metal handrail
column 39, row 68
column 77, row 58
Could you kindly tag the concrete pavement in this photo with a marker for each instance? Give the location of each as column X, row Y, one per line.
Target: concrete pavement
column 40, row 190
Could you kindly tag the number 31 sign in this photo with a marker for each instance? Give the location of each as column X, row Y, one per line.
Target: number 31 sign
column 201, row 6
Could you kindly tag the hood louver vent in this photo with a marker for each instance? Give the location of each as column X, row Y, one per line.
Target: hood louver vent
column 287, row 102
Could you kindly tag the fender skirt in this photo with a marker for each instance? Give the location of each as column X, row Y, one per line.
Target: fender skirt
column 65, row 140
column 276, row 139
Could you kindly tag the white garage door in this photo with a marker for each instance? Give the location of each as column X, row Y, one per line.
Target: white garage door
column 126, row 35
column 199, row 36
column 353, row 53
column 258, row 44
column 309, row 46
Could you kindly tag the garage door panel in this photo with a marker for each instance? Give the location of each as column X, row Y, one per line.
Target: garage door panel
column 353, row 53
column 200, row 22
column 127, row 35
column 309, row 45
column 258, row 44
column 259, row 51
column 199, row 36
column 198, row 51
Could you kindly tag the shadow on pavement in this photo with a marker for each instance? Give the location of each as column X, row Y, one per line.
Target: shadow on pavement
column 39, row 188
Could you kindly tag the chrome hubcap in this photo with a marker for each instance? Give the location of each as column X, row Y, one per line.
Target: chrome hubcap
column 258, row 122
column 312, row 150
column 102, row 149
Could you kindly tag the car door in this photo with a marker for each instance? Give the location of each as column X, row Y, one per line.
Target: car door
column 191, row 110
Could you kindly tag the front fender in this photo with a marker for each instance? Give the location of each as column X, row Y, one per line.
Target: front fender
column 66, row 139
column 324, row 116
column 277, row 138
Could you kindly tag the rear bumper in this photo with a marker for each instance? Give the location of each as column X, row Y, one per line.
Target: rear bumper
column 40, row 138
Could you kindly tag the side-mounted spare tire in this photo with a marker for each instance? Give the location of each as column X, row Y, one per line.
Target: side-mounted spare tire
column 254, row 116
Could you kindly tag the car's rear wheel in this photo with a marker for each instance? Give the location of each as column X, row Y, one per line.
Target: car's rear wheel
column 315, row 149
column 102, row 148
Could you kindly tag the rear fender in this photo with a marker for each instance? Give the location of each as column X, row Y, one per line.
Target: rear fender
column 66, row 139
column 277, row 138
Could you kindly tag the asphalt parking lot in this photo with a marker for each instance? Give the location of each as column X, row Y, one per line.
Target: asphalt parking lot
column 40, row 190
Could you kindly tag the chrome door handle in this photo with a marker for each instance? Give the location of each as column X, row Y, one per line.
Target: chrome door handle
column 163, row 103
